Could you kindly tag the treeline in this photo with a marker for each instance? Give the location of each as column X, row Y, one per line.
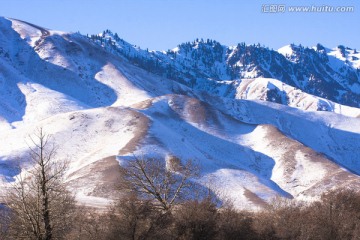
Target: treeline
column 159, row 200
column 335, row 216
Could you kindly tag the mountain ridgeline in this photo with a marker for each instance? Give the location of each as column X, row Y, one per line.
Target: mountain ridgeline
column 329, row 74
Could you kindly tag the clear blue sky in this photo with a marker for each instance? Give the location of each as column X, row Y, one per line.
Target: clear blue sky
column 163, row 24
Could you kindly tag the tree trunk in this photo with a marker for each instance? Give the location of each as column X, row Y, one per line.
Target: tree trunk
column 44, row 192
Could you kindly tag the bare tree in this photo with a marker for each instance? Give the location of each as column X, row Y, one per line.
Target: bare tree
column 90, row 224
column 40, row 205
column 282, row 219
column 4, row 217
column 165, row 182
column 234, row 224
column 196, row 220
column 336, row 216
column 134, row 219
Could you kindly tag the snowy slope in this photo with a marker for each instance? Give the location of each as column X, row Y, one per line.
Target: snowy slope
column 233, row 160
column 335, row 135
column 273, row 90
column 102, row 109
column 256, row 160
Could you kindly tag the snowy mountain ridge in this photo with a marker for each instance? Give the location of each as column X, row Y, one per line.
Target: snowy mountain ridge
column 102, row 107
column 332, row 74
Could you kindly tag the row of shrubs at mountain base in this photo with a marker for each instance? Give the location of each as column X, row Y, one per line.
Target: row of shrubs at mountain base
column 336, row 216
column 158, row 199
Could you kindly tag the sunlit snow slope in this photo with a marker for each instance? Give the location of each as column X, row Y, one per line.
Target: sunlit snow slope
column 101, row 110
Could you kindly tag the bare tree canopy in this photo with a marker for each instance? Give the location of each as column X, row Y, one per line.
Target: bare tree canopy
column 165, row 182
column 40, row 206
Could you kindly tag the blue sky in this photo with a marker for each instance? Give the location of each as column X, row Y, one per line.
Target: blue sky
column 163, row 24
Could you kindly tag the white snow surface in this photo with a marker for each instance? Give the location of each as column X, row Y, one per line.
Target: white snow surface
column 257, row 88
column 101, row 110
column 285, row 50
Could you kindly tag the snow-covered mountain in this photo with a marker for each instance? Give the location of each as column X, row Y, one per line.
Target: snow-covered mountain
column 332, row 74
column 105, row 101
